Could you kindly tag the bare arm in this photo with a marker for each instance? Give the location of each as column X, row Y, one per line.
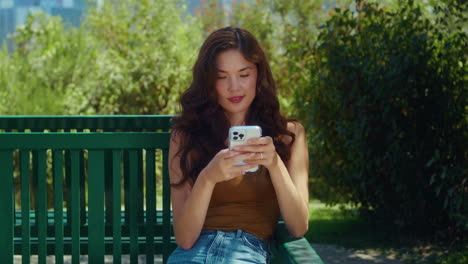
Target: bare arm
column 291, row 184
column 190, row 203
column 289, row 180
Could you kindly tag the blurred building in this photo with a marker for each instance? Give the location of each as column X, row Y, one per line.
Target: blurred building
column 14, row 13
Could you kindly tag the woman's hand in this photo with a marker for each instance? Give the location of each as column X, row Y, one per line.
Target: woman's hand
column 263, row 149
column 222, row 167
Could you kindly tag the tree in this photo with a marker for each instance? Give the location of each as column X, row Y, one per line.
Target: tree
column 385, row 108
column 128, row 57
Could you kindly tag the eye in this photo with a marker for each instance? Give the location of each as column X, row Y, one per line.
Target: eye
column 245, row 75
column 221, row 77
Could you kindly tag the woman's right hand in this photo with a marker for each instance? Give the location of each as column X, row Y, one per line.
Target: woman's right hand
column 221, row 167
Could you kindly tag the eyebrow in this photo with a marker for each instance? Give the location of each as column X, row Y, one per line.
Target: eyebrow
column 243, row 69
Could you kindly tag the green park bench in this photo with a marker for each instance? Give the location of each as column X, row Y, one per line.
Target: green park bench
column 89, row 185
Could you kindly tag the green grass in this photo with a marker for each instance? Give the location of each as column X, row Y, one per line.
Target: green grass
column 343, row 226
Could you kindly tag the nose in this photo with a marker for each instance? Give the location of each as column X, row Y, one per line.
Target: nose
column 234, row 84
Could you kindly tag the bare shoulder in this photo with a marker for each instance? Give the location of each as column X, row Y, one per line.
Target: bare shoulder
column 175, row 152
column 296, row 128
column 174, row 156
column 178, row 139
column 176, row 136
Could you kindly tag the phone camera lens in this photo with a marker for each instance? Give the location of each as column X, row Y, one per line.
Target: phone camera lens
column 235, row 133
column 241, row 136
column 235, row 138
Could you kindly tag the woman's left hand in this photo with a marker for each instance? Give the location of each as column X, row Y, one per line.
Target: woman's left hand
column 264, row 148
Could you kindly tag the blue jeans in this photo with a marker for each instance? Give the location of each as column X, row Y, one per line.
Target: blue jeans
column 219, row 247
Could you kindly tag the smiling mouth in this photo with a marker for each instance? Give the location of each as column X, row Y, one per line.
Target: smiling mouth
column 236, row 99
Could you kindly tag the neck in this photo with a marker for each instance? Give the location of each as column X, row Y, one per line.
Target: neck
column 236, row 119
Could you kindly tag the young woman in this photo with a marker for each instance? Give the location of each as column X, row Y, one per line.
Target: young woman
column 223, row 214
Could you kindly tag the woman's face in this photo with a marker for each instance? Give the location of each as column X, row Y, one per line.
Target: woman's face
column 235, row 84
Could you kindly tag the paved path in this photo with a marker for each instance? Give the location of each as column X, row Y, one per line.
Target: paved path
column 330, row 254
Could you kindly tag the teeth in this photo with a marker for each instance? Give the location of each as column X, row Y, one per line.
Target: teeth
column 236, row 99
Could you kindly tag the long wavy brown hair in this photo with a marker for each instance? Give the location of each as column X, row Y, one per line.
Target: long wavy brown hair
column 203, row 127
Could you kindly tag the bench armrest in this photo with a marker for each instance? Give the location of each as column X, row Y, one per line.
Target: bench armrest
column 293, row 250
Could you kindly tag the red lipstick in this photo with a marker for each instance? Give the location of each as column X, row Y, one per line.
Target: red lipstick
column 236, row 99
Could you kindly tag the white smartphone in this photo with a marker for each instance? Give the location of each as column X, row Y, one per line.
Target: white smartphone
column 238, row 135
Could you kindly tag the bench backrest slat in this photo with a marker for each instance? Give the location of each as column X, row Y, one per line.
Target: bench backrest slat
column 133, row 177
column 25, row 203
column 57, row 165
column 41, row 206
column 6, row 206
column 116, row 210
column 75, row 204
column 150, row 202
column 96, row 205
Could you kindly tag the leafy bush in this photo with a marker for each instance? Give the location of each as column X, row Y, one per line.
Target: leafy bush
column 128, row 57
column 385, row 106
column 454, row 258
column 48, row 62
column 146, row 50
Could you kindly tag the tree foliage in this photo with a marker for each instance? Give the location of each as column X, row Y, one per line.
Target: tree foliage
column 145, row 55
column 128, row 57
column 47, row 64
column 385, row 108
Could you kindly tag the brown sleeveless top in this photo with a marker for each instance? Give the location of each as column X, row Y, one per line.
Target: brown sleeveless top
column 247, row 202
